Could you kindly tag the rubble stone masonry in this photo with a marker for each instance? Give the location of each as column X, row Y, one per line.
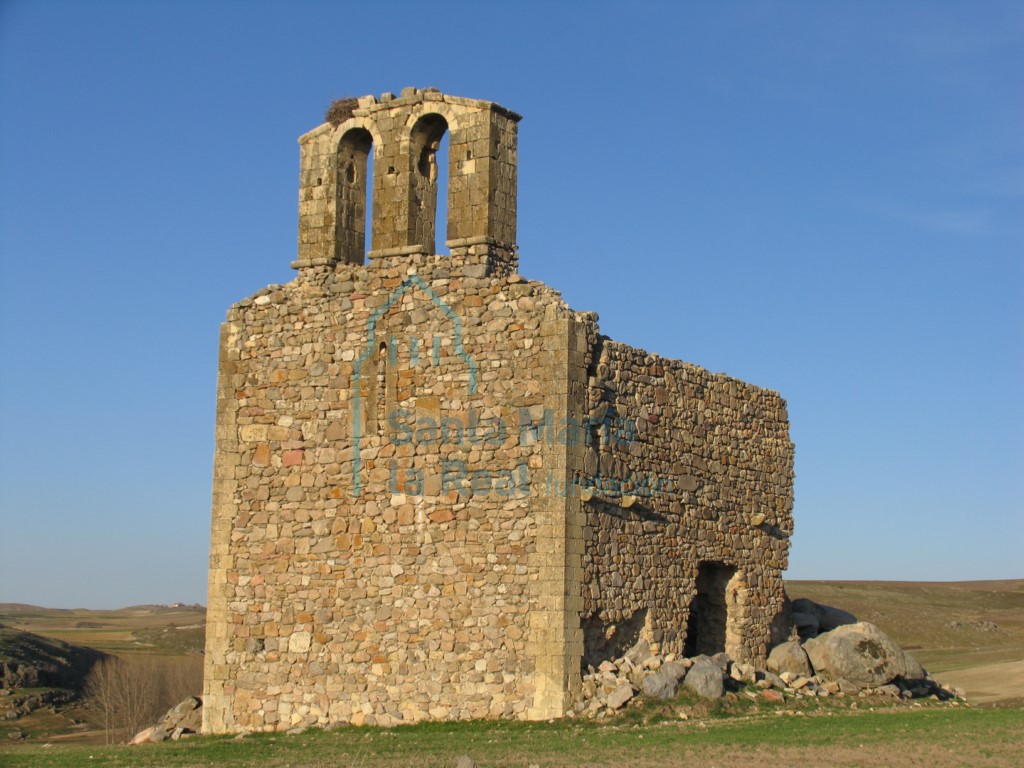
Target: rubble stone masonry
column 438, row 491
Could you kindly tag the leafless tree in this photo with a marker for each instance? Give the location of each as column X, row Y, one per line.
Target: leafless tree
column 101, row 691
column 129, row 696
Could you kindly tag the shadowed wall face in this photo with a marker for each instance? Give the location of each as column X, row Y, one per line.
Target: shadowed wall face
column 689, row 476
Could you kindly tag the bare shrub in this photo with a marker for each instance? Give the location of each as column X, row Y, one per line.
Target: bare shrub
column 128, row 696
column 182, row 677
column 101, row 690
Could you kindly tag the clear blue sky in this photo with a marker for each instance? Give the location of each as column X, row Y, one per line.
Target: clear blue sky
column 821, row 198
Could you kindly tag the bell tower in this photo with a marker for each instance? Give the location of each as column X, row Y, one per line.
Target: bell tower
column 403, row 134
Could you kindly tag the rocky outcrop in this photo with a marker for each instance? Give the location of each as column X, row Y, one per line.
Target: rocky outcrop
column 28, row 660
column 37, row 671
column 17, row 702
column 664, row 683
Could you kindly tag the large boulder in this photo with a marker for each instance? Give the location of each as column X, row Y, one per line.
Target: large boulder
column 743, row 673
column 186, row 714
column 618, row 698
column 663, row 685
column 828, row 617
column 806, row 624
column 913, row 672
column 705, row 678
column 639, row 653
column 789, row 657
column 862, row 654
column 675, row 668
column 184, row 717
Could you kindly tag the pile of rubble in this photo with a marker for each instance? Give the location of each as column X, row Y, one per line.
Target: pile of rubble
column 853, row 659
column 182, row 720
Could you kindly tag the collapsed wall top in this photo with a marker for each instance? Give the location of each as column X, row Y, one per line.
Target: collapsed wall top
column 404, row 134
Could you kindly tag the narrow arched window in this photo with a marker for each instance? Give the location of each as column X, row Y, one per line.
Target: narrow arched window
column 442, row 209
column 424, row 142
column 355, row 196
column 381, row 393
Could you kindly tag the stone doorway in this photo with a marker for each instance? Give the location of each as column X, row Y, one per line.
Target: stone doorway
column 709, row 612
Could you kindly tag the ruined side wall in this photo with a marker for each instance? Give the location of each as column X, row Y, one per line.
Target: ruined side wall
column 416, row 592
column 688, row 466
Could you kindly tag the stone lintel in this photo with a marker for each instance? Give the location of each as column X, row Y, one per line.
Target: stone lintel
column 403, row 250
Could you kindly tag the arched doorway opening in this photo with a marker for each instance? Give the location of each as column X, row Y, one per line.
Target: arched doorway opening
column 709, row 610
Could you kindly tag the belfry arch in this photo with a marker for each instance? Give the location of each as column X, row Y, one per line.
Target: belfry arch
column 424, row 141
column 402, row 135
column 352, row 164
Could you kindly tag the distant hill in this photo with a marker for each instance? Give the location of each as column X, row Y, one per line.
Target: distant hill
column 160, row 629
column 967, row 633
column 19, row 608
column 946, row 624
column 28, row 660
column 161, row 608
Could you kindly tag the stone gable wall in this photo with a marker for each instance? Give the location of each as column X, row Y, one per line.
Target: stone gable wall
column 433, row 593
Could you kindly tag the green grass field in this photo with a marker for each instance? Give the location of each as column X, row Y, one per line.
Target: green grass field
column 905, row 736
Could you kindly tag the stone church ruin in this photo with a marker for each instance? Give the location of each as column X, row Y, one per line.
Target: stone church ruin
column 439, row 492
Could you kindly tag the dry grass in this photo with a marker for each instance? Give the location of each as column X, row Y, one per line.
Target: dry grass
column 168, row 640
column 137, row 629
column 946, row 625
